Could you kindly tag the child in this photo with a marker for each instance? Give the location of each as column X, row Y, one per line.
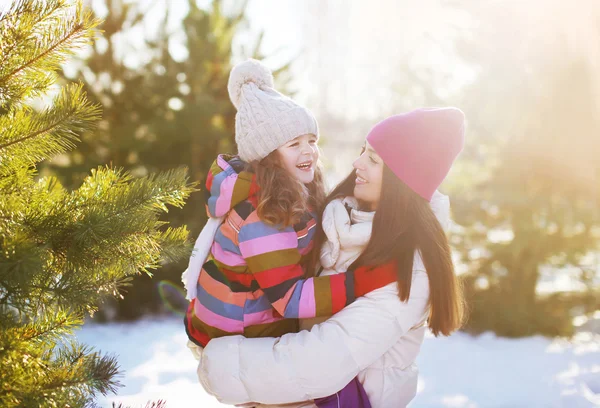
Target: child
column 252, row 281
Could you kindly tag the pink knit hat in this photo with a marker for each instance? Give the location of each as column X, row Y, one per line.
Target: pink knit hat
column 420, row 146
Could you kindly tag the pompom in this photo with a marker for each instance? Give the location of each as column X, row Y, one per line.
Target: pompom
column 250, row 70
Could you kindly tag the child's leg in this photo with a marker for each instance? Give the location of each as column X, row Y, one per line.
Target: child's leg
column 352, row 395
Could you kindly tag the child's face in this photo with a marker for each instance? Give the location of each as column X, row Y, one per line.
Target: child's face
column 299, row 157
column 369, row 177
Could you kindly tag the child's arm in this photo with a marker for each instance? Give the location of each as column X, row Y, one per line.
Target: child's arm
column 273, row 258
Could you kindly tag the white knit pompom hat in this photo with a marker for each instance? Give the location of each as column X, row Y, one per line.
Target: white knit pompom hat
column 265, row 119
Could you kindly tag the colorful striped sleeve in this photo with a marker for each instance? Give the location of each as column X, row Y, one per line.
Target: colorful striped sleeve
column 226, row 187
column 273, row 258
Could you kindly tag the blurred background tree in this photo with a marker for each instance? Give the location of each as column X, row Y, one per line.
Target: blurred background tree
column 62, row 250
column 531, row 209
column 163, row 107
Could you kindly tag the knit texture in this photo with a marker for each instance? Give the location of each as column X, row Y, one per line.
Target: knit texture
column 420, row 146
column 348, row 232
column 265, row 119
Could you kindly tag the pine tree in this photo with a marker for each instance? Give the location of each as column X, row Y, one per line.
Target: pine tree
column 61, row 251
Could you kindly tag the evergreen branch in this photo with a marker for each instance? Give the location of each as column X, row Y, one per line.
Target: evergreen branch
column 35, row 8
column 62, row 321
column 78, row 369
column 27, row 138
column 78, row 29
column 40, row 10
column 76, row 107
column 97, row 374
column 153, row 191
column 34, row 134
column 16, row 10
column 7, row 52
column 42, row 48
column 173, row 243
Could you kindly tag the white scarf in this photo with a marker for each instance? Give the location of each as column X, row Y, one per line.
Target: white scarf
column 347, row 235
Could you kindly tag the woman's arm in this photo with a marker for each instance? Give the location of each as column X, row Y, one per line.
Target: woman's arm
column 311, row 364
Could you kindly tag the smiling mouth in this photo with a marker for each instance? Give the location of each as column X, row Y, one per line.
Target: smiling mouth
column 305, row 165
column 360, row 180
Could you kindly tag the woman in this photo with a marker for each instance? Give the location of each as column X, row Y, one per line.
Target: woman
column 378, row 337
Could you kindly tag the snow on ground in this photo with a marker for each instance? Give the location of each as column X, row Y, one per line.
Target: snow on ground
column 460, row 371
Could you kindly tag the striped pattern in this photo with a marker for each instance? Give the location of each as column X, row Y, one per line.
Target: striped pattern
column 252, row 283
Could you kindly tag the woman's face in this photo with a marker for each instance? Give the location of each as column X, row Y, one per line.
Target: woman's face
column 299, row 157
column 369, row 176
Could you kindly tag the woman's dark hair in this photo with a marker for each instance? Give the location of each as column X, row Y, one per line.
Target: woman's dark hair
column 404, row 223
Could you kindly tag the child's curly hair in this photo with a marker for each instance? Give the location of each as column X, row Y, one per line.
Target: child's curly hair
column 283, row 199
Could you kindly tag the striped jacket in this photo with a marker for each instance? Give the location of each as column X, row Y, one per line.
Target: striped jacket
column 252, row 282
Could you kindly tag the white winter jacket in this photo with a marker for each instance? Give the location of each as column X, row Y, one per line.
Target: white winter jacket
column 377, row 338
